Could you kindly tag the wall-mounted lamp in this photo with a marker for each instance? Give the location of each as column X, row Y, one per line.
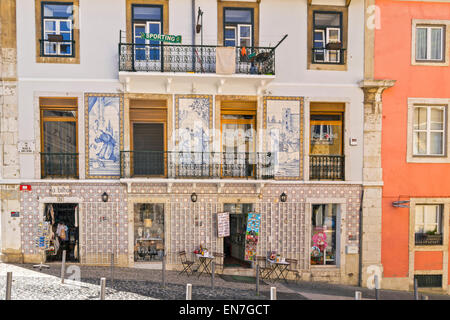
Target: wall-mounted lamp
column 283, row 197
column 194, row 197
column 105, row 197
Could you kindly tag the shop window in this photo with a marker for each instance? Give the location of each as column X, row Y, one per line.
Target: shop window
column 148, row 232
column 429, row 131
column 324, row 236
column 59, row 146
column 428, row 224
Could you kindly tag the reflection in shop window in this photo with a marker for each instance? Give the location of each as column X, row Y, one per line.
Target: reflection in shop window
column 148, row 231
column 323, row 235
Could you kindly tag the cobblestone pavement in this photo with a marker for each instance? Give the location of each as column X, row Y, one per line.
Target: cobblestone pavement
column 138, row 284
column 135, row 284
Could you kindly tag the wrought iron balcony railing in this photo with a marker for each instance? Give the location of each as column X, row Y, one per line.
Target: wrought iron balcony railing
column 196, row 165
column 193, row 59
column 328, row 56
column 326, row 167
column 52, row 48
column 59, row 165
column 424, row 239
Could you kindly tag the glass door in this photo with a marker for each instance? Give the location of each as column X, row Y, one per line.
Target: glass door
column 238, row 147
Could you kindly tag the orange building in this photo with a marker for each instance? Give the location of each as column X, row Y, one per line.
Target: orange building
column 412, row 45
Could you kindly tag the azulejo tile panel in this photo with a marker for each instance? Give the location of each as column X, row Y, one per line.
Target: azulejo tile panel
column 104, row 128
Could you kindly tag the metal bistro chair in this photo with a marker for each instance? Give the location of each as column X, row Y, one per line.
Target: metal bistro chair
column 187, row 264
column 218, row 257
column 264, row 271
column 293, row 268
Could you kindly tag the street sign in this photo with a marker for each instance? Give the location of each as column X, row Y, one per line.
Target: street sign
column 161, row 37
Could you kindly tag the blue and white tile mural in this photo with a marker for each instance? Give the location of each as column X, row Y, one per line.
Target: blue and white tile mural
column 104, row 135
column 283, row 135
column 193, row 123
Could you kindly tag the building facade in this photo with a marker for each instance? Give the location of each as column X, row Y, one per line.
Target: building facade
column 412, row 48
column 132, row 145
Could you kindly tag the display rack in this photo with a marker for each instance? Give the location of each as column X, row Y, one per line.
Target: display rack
column 42, row 242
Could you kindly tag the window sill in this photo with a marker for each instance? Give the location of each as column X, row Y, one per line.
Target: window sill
column 327, row 67
column 62, row 60
column 430, row 63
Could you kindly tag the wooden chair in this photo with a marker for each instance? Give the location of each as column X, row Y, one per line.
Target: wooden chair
column 218, row 261
column 264, row 271
column 293, row 268
column 187, row 264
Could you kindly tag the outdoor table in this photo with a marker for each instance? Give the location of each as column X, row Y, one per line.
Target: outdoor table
column 279, row 269
column 205, row 262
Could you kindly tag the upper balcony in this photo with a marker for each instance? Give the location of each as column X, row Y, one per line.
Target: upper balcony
column 169, row 64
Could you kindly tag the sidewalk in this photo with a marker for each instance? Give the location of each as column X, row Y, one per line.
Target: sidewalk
column 138, row 284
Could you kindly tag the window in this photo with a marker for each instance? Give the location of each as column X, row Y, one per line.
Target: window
column 148, row 232
column 238, row 23
column 147, row 19
column 327, row 37
column 326, row 160
column 238, row 139
column 430, row 43
column 57, row 29
column 428, row 224
column 59, row 157
column 324, row 234
column 238, row 27
column 148, row 122
column 428, row 130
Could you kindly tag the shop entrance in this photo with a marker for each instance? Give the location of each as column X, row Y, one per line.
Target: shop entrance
column 234, row 245
column 148, row 232
column 64, row 235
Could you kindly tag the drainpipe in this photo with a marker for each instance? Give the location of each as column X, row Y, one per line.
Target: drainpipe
column 193, row 35
column 360, row 238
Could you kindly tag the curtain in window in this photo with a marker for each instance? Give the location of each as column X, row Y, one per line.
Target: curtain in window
column 436, row 44
column 421, row 44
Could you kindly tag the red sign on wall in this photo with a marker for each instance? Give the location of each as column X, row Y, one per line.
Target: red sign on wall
column 25, row 187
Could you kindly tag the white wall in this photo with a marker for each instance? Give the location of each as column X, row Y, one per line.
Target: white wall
column 101, row 21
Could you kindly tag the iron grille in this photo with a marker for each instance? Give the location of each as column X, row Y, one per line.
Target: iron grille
column 59, row 165
column 429, row 280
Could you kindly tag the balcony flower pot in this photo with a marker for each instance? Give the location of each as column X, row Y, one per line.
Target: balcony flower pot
column 333, row 46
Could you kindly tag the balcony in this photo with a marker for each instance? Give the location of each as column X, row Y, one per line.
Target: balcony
column 196, row 165
column 59, row 165
column 326, row 167
column 424, row 239
column 192, row 59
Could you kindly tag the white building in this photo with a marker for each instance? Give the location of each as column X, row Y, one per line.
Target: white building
column 149, row 123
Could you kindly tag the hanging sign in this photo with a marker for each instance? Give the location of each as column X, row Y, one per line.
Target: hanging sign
column 223, row 224
column 161, row 37
column 252, row 235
